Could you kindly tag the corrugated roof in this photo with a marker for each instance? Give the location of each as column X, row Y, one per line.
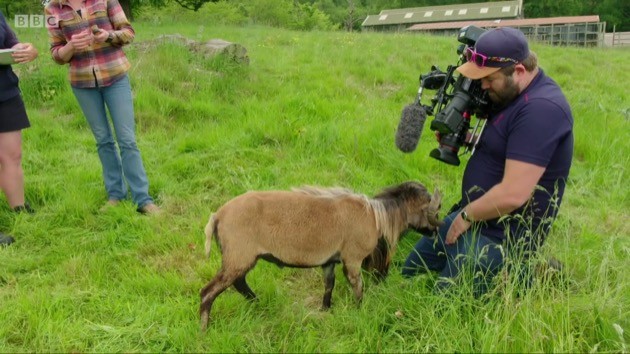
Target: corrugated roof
column 450, row 7
column 457, row 12
column 505, row 23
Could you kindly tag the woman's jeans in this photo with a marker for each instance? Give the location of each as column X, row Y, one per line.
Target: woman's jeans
column 126, row 165
column 476, row 255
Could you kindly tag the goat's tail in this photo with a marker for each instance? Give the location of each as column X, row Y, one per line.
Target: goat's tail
column 209, row 232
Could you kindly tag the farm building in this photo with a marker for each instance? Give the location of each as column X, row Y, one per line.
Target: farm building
column 448, row 19
column 401, row 19
column 573, row 30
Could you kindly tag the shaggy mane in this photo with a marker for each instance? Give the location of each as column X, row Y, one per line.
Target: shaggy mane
column 329, row 192
column 387, row 215
column 389, row 221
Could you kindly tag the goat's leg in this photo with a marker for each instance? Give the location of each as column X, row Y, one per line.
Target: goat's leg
column 221, row 281
column 329, row 284
column 241, row 286
column 352, row 271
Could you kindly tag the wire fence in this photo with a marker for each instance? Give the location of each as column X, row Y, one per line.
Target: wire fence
column 580, row 34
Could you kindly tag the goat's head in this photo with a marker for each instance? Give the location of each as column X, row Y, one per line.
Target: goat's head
column 421, row 207
column 424, row 213
column 418, row 209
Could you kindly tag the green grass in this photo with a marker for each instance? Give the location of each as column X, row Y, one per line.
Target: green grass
column 311, row 108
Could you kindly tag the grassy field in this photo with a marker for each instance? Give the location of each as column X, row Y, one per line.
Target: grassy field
column 311, row 108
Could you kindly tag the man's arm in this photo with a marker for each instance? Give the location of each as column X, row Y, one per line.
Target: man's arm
column 516, row 187
column 10, row 38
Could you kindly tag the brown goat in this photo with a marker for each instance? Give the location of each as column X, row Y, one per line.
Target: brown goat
column 314, row 227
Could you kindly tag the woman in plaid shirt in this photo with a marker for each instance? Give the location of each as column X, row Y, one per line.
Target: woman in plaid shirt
column 89, row 35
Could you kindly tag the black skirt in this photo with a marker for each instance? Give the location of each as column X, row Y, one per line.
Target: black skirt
column 13, row 115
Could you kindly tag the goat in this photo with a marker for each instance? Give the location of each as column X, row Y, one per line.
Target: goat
column 314, row 227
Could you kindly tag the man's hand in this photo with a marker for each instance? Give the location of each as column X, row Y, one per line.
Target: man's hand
column 25, row 53
column 458, row 227
column 517, row 186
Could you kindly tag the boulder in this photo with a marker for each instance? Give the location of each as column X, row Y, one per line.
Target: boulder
column 207, row 49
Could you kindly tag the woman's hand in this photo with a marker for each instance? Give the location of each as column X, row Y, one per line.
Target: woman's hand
column 82, row 40
column 77, row 42
column 100, row 36
column 25, row 52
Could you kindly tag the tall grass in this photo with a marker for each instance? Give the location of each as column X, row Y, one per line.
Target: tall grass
column 311, row 108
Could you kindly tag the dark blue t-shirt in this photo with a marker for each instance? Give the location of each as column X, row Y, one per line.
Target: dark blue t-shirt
column 8, row 79
column 537, row 128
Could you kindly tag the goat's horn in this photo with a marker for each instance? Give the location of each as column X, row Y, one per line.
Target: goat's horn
column 434, row 208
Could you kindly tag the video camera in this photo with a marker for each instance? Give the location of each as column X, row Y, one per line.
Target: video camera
column 458, row 98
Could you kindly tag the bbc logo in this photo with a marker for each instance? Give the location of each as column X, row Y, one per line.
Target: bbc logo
column 34, row 21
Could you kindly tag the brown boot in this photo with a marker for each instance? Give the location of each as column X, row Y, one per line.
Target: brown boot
column 110, row 204
column 150, row 209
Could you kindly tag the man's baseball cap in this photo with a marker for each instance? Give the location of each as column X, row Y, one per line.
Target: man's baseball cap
column 495, row 49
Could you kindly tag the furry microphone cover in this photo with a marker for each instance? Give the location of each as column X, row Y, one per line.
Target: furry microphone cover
column 410, row 127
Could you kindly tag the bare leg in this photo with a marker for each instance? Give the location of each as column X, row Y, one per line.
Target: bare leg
column 11, row 173
column 329, row 284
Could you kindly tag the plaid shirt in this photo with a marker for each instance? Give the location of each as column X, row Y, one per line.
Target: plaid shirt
column 101, row 64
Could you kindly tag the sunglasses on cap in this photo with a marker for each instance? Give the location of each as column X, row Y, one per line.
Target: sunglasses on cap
column 480, row 59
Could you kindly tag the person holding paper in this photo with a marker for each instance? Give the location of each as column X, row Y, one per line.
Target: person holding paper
column 89, row 35
column 13, row 119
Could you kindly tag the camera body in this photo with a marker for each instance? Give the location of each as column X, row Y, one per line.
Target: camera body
column 457, row 99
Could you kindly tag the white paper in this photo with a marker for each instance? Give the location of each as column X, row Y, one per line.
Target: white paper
column 5, row 56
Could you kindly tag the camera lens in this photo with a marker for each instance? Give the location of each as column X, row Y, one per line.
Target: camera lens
column 445, row 155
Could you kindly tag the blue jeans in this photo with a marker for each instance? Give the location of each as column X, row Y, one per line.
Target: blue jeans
column 123, row 165
column 473, row 254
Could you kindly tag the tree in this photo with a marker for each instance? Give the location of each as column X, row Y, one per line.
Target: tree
column 15, row 7
column 552, row 8
column 348, row 22
column 193, row 4
column 616, row 13
column 127, row 8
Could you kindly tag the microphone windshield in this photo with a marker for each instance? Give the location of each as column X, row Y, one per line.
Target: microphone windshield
column 410, row 127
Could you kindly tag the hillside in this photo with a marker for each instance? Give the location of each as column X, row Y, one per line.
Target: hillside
column 317, row 108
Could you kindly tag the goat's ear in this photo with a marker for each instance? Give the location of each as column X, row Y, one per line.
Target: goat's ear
column 434, row 208
column 436, row 199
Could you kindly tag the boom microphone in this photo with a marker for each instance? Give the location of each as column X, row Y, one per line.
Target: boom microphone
column 410, row 127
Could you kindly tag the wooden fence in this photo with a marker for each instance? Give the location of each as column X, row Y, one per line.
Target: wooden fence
column 620, row 39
